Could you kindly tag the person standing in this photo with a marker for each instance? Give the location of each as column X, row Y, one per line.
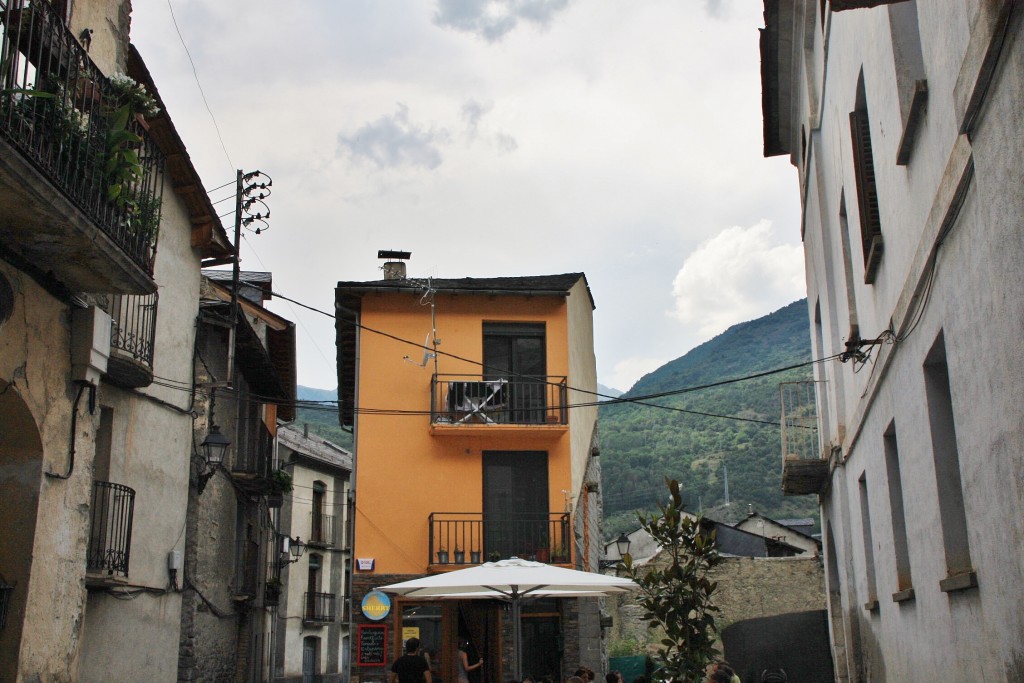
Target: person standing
column 464, row 666
column 411, row 667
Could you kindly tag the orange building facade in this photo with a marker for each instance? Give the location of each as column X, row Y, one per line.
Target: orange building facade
column 474, row 412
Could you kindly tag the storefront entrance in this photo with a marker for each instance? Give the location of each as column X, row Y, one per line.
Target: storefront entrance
column 440, row 625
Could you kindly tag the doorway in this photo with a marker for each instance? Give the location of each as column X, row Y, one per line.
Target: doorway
column 515, row 503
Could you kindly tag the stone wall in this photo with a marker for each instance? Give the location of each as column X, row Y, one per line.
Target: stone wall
column 748, row 587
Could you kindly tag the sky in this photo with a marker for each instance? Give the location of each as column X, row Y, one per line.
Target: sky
column 494, row 138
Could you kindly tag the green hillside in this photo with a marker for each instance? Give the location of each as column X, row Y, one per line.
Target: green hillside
column 641, row 445
column 322, row 419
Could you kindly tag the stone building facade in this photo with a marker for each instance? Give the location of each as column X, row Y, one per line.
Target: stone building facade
column 903, row 121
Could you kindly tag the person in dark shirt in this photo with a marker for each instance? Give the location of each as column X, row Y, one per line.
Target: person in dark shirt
column 410, row 667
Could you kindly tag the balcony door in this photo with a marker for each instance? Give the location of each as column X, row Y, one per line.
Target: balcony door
column 515, row 503
column 516, row 352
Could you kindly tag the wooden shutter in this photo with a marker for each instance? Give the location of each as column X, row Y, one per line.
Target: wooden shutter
column 867, row 193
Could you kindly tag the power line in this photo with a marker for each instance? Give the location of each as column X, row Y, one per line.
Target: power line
column 195, row 74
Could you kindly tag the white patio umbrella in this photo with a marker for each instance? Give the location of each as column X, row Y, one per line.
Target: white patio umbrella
column 512, row 580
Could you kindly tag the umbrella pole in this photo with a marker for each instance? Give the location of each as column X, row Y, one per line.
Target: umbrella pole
column 517, row 639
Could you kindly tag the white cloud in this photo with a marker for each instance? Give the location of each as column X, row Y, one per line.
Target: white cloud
column 737, row 275
column 627, row 371
column 394, row 141
column 493, row 19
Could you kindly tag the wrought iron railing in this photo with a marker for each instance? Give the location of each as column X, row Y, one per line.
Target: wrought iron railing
column 473, row 537
column 110, row 528
column 65, row 117
column 321, row 530
column 133, row 325
column 319, row 608
column 255, row 451
column 476, row 399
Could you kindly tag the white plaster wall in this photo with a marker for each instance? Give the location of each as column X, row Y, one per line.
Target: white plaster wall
column 582, row 375
column 152, row 444
column 975, row 301
column 35, row 359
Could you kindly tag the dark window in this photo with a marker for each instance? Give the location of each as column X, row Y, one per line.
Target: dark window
column 517, row 352
column 946, row 456
column 867, row 192
column 515, row 503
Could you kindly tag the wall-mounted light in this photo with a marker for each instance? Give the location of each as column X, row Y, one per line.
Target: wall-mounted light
column 214, row 448
column 291, row 546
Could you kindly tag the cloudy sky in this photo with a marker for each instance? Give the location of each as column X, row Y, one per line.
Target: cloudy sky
column 495, row 138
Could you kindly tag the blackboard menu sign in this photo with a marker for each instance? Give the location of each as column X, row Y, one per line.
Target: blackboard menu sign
column 372, row 649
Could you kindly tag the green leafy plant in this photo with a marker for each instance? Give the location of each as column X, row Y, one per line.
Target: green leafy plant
column 677, row 594
column 281, row 481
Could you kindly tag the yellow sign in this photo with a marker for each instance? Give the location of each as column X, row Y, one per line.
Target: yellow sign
column 376, row 605
column 410, row 632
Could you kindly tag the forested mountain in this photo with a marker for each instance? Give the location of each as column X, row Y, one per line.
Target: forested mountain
column 642, row 444
column 322, row 417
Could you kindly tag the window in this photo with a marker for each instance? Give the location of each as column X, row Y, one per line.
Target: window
column 318, row 521
column 904, row 585
column 515, row 504
column 516, row 352
column 869, row 544
column 867, row 193
column 911, row 85
column 952, row 512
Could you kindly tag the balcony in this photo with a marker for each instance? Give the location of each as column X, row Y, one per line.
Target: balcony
column 255, row 452
column 461, row 403
column 321, row 530
column 319, row 608
column 110, row 530
column 80, row 177
column 804, row 470
column 463, row 538
column 132, row 329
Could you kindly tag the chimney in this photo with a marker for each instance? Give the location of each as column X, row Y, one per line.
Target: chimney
column 394, row 264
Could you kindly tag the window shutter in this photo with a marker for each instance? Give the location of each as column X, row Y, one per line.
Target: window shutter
column 867, row 193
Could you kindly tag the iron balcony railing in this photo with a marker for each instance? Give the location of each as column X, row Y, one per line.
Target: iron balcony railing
column 476, row 399
column 255, row 451
column 110, row 528
column 133, row 325
column 321, row 530
column 475, row 537
column 319, row 608
column 67, row 119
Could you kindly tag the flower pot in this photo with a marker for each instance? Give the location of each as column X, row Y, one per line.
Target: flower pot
column 442, row 557
column 543, row 555
column 460, row 557
column 474, row 557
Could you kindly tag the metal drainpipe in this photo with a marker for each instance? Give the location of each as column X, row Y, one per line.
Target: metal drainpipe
column 351, row 560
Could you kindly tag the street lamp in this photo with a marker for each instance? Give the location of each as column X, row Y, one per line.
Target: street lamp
column 294, row 547
column 622, row 544
column 214, row 447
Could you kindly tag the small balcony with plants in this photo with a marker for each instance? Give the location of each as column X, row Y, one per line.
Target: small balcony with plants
column 458, row 539
column 473, row 403
column 80, row 176
column 110, row 533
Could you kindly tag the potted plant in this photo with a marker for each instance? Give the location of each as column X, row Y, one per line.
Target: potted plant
column 280, row 484
column 474, row 556
column 460, row 555
column 272, row 593
column 494, row 556
column 442, row 555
